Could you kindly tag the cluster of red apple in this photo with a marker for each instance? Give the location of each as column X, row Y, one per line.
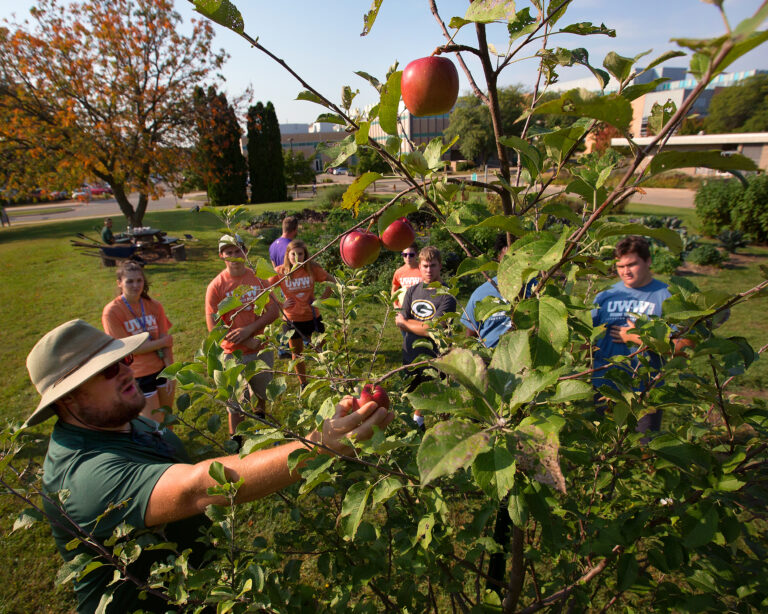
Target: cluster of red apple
column 359, row 248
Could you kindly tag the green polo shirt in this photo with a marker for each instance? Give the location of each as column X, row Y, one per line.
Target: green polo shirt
column 102, row 469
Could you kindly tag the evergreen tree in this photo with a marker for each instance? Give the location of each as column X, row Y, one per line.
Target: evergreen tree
column 220, row 162
column 257, row 160
column 265, row 155
column 275, row 172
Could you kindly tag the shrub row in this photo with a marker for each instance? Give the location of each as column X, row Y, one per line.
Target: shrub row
column 722, row 205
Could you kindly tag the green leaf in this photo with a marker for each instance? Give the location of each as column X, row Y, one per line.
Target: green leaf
column 371, row 79
column 331, row 118
column 488, row 11
column 536, row 446
column 466, row 368
column 750, row 24
column 522, row 25
column 494, row 471
column 532, row 384
column 401, row 209
column 612, row 109
column 389, row 103
column 26, row 519
column 354, row 193
column 660, row 115
column 667, row 55
column 471, row 266
column 619, row 66
column 216, row 471
column 311, row 97
column 548, row 319
column 370, row 17
column 435, row 397
column 699, row 525
column 340, row 152
column 517, row 507
column 572, row 390
column 626, row 571
column 384, row 490
column 433, row 153
column 744, row 45
column 666, row 235
column 684, row 455
column 668, row 160
column 448, row 447
column 637, row 90
column 560, row 142
column 361, row 136
column 513, row 352
column 586, row 28
column 529, row 156
column 222, row 12
column 353, row 507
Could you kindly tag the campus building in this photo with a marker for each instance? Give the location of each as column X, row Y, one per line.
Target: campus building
column 676, row 89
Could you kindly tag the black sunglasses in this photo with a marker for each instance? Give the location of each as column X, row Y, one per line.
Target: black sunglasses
column 408, row 255
column 113, row 369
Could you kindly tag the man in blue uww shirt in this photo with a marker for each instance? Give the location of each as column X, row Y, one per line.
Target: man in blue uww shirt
column 636, row 294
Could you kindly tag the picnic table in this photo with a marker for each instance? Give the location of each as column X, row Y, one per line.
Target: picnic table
column 149, row 238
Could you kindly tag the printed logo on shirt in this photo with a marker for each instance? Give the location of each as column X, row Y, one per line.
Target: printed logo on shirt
column 246, row 298
column 423, row 310
column 298, row 283
column 133, row 327
column 631, row 306
column 407, row 282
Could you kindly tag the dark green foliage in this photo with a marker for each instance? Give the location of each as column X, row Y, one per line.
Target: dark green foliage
column 714, row 201
column 369, row 160
column 219, row 159
column 739, row 108
column 706, row 255
column 296, row 168
column 329, row 197
column 265, row 155
column 664, row 261
column 471, row 121
column 731, row 240
column 750, row 212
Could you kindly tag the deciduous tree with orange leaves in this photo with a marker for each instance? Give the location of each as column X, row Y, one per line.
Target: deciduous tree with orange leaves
column 101, row 89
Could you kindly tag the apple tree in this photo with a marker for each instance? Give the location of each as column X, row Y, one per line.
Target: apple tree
column 521, row 496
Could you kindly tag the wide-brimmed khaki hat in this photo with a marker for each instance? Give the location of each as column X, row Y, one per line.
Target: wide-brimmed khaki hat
column 68, row 356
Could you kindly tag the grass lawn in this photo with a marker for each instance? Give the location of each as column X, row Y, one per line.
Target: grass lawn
column 46, row 282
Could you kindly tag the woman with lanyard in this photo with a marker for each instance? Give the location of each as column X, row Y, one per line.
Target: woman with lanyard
column 299, row 290
column 132, row 313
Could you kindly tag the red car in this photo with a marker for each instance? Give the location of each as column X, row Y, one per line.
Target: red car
column 99, row 190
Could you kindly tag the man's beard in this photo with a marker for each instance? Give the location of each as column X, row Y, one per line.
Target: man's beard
column 119, row 414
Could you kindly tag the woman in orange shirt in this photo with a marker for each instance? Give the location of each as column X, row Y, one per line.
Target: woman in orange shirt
column 299, row 291
column 134, row 312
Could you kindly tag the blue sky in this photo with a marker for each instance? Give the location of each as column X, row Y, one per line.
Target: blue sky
column 322, row 42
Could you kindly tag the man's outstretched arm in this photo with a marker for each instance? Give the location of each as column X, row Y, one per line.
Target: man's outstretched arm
column 182, row 490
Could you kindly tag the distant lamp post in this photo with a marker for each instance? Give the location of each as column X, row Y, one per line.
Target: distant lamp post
column 290, row 141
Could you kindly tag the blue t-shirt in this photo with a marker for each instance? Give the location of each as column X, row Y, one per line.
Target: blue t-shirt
column 277, row 250
column 491, row 329
column 615, row 306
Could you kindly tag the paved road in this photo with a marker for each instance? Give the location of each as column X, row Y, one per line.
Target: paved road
column 100, row 208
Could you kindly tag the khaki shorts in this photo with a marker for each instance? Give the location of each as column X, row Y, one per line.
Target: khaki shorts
column 257, row 385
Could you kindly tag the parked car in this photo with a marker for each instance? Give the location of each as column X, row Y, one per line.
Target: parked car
column 341, row 170
column 99, row 189
column 82, row 193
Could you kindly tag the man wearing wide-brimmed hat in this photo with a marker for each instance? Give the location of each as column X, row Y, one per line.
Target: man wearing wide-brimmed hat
column 245, row 322
column 116, row 467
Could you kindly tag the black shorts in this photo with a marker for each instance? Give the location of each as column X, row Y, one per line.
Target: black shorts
column 149, row 383
column 306, row 329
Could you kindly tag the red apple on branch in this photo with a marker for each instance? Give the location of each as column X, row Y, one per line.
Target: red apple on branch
column 398, row 235
column 430, row 86
column 376, row 393
column 358, row 248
